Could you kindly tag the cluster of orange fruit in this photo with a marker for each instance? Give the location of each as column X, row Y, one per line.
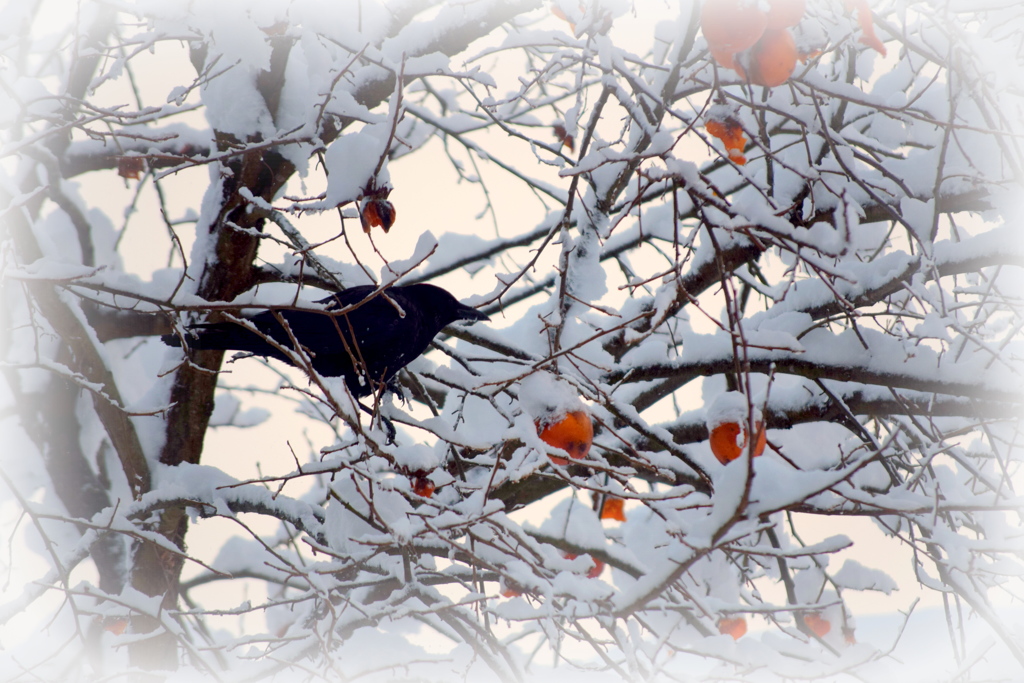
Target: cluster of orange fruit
column 819, row 626
column 758, row 44
column 574, row 434
column 755, row 44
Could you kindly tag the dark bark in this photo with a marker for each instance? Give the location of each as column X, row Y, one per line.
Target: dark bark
column 228, row 272
column 675, row 375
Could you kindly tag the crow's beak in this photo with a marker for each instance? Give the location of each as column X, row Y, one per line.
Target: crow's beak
column 470, row 315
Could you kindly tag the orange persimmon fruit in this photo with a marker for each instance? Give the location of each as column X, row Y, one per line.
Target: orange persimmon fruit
column 725, row 57
column 785, row 13
column 725, row 441
column 596, row 568
column 731, row 134
column 772, row 60
column 728, row 440
column 867, row 25
column 732, row 25
column 612, row 509
column 509, row 589
column 733, row 626
column 422, row 486
column 762, row 439
column 573, row 434
column 115, row 625
column 804, row 57
column 819, row 625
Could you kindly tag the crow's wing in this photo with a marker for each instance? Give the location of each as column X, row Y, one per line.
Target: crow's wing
column 314, row 330
column 377, row 333
column 375, row 336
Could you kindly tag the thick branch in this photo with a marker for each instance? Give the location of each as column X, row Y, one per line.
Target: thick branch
column 87, row 360
column 694, row 430
column 680, row 373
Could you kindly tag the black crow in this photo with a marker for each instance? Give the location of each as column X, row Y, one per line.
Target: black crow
column 367, row 346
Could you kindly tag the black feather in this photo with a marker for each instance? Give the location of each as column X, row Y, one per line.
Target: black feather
column 367, row 346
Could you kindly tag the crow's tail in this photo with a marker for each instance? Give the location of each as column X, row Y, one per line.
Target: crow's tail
column 221, row 337
column 171, row 339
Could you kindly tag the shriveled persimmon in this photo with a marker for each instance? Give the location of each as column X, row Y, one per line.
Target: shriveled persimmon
column 563, row 136
column 733, row 626
column 772, row 60
column 819, row 625
column 612, row 508
column 731, row 134
column 732, row 25
column 377, row 213
column 130, row 167
column 573, row 433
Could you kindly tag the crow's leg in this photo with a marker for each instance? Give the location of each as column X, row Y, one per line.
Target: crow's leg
column 395, row 387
